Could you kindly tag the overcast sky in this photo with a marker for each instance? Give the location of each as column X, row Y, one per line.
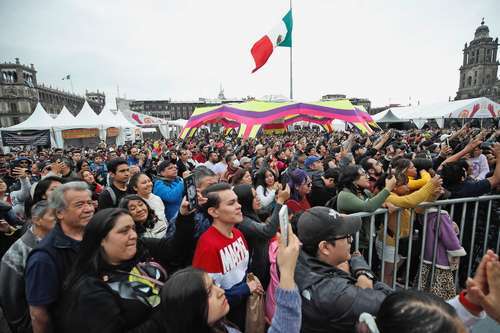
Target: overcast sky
column 387, row 51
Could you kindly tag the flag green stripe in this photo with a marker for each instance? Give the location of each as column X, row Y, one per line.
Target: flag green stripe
column 288, row 20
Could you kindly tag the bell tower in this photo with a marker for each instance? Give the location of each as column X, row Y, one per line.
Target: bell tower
column 479, row 70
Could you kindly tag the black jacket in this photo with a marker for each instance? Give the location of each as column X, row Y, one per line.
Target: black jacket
column 320, row 194
column 331, row 302
column 101, row 304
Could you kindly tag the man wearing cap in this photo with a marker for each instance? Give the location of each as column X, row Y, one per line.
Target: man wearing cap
column 260, row 151
column 246, row 163
column 335, row 286
column 314, row 166
column 169, row 187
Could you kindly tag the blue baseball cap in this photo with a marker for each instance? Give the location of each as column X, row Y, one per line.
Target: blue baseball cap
column 310, row 160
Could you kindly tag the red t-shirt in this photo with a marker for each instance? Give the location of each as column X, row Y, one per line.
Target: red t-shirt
column 224, row 259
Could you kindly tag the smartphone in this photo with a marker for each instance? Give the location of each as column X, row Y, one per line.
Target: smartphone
column 191, row 193
column 283, row 215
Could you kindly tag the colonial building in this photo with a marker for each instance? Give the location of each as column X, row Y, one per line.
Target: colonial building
column 479, row 70
column 171, row 110
column 365, row 102
column 20, row 92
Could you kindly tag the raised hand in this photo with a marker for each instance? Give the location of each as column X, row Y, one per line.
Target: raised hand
column 283, row 195
column 390, row 183
column 287, row 259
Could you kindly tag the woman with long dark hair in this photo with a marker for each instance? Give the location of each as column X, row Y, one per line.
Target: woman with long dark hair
column 42, row 192
column 354, row 197
column 147, row 223
column 416, row 178
column 300, row 186
column 242, row 176
column 191, row 302
column 96, row 188
column 266, row 186
column 141, row 184
column 257, row 233
column 413, row 311
column 114, row 283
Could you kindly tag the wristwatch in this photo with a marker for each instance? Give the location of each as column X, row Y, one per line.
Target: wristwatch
column 366, row 273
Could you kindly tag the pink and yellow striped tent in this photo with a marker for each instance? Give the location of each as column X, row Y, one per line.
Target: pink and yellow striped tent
column 249, row 117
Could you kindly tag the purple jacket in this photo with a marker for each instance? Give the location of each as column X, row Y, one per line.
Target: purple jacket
column 448, row 242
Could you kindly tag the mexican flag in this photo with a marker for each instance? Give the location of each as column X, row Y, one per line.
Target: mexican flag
column 281, row 35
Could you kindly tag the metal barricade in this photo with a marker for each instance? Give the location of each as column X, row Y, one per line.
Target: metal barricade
column 468, row 242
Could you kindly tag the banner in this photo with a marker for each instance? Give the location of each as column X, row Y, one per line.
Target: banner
column 80, row 133
column 112, row 132
column 25, row 138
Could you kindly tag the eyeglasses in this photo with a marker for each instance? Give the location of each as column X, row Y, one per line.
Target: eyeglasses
column 349, row 238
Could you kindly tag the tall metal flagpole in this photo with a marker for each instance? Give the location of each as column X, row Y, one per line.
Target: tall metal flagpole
column 291, row 53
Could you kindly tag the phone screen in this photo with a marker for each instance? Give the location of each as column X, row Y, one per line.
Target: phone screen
column 283, row 215
column 191, row 193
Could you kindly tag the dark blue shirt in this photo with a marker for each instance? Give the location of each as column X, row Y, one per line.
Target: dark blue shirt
column 47, row 267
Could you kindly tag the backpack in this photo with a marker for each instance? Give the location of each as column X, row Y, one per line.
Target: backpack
column 112, row 194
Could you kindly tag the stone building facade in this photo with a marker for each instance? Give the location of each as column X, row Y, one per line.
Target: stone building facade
column 365, row 102
column 168, row 109
column 479, row 70
column 20, row 92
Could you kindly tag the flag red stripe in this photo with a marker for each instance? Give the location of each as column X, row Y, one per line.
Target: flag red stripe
column 261, row 51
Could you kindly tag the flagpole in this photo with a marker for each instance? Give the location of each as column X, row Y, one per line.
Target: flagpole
column 291, row 69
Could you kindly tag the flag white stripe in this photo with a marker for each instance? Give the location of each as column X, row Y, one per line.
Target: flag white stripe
column 278, row 33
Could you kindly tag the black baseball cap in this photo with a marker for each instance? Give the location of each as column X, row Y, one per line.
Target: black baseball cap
column 322, row 223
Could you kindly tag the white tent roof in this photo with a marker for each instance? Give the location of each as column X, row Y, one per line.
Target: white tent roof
column 387, row 116
column 87, row 116
column 338, row 125
column 108, row 119
column 64, row 118
column 480, row 107
column 140, row 119
column 120, row 118
column 178, row 122
column 38, row 120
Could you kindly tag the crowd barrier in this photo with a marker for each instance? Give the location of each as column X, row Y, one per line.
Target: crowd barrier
column 469, row 237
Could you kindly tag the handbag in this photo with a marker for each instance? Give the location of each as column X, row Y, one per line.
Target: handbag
column 255, row 321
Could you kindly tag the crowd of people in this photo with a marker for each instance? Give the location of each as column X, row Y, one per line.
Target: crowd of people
column 104, row 239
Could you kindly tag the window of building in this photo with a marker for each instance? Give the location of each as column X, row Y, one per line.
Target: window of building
column 13, row 108
column 469, row 81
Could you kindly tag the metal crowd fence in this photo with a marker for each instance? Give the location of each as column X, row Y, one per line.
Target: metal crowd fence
column 463, row 211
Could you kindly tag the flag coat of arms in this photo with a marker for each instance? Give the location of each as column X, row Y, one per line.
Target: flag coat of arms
column 280, row 35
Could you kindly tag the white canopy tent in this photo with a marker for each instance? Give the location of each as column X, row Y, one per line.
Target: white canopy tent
column 38, row 120
column 126, row 126
column 64, row 119
column 480, row 107
column 87, row 117
column 338, row 125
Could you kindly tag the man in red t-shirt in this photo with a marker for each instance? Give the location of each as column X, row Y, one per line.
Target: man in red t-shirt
column 222, row 250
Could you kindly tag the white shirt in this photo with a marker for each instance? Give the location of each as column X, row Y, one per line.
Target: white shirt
column 265, row 199
column 157, row 205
